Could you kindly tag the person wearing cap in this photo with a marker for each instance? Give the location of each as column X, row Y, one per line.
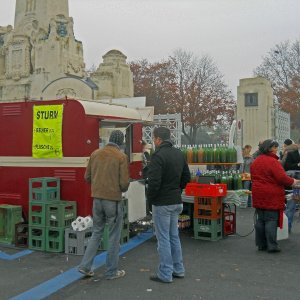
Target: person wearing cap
column 108, row 173
column 268, row 195
column 168, row 174
column 288, row 146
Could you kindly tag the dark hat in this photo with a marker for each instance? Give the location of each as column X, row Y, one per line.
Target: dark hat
column 288, row 142
column 117, row 137
column 162, row 132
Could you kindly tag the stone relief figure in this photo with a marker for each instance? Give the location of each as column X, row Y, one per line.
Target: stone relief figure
column 33, row 41
column 71, row 27
column 52, row 29
column 6, row 34
column 67, row 92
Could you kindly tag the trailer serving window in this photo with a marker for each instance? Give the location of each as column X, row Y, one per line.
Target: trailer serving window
column 107, row 126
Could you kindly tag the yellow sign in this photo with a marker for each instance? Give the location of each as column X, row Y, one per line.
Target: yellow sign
column 47, row 131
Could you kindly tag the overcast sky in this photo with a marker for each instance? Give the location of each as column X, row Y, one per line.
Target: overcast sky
column 235, row 33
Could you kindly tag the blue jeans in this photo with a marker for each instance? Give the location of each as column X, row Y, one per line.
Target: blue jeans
column 111, row 213
column 290, row 211
column 247, row 186
column 165, row 220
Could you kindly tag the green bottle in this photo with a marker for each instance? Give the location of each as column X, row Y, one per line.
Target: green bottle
column 222, row 154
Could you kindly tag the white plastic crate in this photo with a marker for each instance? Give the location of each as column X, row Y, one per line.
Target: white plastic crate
column 77, row 241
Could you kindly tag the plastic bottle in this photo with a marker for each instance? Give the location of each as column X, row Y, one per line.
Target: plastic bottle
column 200, row 154
column 189, row 155
column 222, row 154
column 195, row 154
column 216, row 154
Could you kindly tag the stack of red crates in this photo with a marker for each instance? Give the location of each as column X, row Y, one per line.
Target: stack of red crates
column 208, row 209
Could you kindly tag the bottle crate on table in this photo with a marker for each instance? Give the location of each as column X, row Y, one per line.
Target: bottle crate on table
column 208, row 207
column 207, row 229
column 77, row 241
column 44, row 189
column 10, row 215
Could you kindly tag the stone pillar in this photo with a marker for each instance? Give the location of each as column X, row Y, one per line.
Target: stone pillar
column 41, row 11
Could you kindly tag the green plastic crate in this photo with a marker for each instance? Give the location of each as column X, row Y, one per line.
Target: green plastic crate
column 206, row 229
column 105, row 239
column 44, row 189
column 10, row 215
column 123, row 239
column 55, row 239
column 38, row 212
column 61, row 213
column 37, row 238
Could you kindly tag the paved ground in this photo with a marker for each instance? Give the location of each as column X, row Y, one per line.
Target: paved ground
column 231, row 268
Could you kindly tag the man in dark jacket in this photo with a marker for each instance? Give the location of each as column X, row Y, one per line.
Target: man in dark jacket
column 292, row 161
column 168, row 174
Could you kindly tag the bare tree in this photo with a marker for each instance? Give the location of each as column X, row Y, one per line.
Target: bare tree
column 281, row 66
column 202, row 97
column 154, row 81
column 188, row 85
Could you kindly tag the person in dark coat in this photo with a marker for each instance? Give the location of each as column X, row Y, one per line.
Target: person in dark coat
column 288, row 146
column 292, row 161
column 268, row 195
column 168, row 174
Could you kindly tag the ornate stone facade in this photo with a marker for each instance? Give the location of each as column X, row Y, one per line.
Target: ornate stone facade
column 40, row 58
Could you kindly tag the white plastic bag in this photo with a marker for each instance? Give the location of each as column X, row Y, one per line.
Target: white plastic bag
column 283, row 234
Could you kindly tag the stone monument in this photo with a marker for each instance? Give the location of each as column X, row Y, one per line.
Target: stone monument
column 258, row 115
column 41, row 59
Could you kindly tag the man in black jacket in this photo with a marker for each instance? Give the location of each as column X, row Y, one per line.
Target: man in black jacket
column 168, row 174
column 292, row 161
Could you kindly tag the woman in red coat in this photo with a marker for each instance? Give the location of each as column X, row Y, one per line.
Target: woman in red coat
column 268, row 193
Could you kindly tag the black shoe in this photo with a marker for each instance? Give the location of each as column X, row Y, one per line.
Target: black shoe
column 276, row 250
column 157, row 279
column 262, row 248
column 181, row 275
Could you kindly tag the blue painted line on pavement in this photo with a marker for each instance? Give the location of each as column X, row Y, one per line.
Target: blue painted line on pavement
column 51, row 286
column 5, row 256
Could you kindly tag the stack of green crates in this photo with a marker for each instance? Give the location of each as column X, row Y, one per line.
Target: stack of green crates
column 125, row 229
column 208, row 218
column 10, row 215
column 48, row 215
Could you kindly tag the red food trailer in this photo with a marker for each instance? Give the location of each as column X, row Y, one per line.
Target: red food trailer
column 86, row 126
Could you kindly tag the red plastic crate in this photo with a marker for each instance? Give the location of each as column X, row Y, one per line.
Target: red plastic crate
column 208, row 208
column 229, row 223
column 206, row 190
